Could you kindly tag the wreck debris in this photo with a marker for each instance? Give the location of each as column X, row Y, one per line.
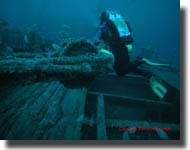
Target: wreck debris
column 73, row 107
column 80, row 47
column 26, row 65
column 76, row 68
column 101, row 126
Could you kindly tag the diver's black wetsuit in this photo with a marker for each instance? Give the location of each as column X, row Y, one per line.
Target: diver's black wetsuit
column 111, row 37
column 122, row 64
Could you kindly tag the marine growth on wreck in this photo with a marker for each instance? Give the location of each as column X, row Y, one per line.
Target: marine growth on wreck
column 61, row 85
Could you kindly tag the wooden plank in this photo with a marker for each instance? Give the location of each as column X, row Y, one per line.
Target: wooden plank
column 69, row 68
column 101, row 125
column 134, row 100
column 73, row 105
column 124, row 86
column 52, row 115
column 11, row 99
column 31, row 115
column 13, row 113
column 9, row 109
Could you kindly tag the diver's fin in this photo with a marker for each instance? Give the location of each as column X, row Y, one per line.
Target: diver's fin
column 159, row 89
column 148, row 62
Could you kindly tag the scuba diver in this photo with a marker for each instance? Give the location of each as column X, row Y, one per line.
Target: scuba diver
column 116, row 33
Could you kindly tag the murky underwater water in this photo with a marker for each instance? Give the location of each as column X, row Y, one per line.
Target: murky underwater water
column 40, row 99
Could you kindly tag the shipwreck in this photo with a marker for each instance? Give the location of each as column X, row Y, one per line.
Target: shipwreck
column 75, row 95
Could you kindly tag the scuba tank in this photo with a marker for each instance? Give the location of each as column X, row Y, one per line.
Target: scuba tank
column 123, row 29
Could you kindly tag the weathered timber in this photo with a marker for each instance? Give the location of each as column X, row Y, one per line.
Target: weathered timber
column 32, row 115
column 127, row 86
column 15, row 97
column 10, row 111
column 101, row 125
column 133, row 100
column 13, row 113
column 63, row 60
column 54, row 65
column 73, row 108
column 68, row 69
column 72, row 114
column 52, row 115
